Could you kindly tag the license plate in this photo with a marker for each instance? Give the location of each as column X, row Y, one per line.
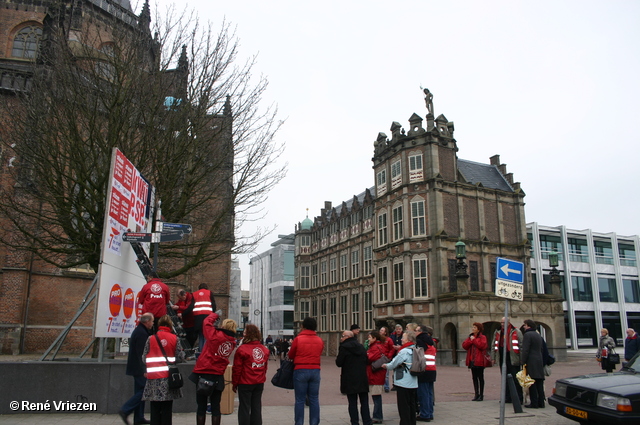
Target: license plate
column 575, row 412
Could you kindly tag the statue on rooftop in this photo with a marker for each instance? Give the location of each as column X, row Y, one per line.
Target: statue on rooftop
column 428, row 99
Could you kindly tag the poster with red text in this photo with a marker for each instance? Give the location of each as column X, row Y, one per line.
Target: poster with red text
column 130, row 199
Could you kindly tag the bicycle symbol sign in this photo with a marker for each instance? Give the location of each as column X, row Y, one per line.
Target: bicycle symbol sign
column 511, row 290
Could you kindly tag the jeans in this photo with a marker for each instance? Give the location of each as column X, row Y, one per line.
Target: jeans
column 135, row 404
column 386, row 380
column 250, row 404
column 377, row 407
column 425, row 398
column 306, row 384
column 364, row 408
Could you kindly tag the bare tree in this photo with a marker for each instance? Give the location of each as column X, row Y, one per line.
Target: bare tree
column 180, row 107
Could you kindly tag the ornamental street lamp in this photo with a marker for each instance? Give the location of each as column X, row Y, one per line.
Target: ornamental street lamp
column 554, row 274
column 461, row 255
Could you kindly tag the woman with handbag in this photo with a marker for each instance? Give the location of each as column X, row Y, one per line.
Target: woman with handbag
column 377, row 355
column 476, row 345
column 605, row 345
column 160, row 352
column 208, row 374
column 249, row 373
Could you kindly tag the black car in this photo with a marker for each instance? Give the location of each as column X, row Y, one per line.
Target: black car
column 602, row 398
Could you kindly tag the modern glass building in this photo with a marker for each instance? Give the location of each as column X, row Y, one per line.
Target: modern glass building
column 271, row 289
column 600, row 283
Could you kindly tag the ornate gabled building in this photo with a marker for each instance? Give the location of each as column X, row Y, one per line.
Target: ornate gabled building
column 425, row 200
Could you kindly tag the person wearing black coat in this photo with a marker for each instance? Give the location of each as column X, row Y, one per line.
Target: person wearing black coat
column 137, row 368
column 532, row 357
column 352, row 358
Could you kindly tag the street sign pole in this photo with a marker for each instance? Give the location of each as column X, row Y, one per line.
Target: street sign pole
column 503, row 386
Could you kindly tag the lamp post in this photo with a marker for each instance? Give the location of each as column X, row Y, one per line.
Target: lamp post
column 260, row 311
column 461, row 255
column 554, row 275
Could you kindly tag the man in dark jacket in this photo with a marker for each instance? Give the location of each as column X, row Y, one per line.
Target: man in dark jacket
column 137, row 368
column 352, row 358
column 631, row 344
column 532, row 357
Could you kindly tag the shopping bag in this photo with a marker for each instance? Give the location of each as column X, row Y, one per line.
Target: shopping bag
column 523, row 378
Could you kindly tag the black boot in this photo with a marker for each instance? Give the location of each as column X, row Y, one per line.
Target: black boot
column 215, row 420
column 481, row 396
column 475, row 387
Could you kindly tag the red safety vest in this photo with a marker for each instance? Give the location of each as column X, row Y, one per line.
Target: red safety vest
column 202, row 304
column 512, row 341
column 157, row 366
column 430, row 357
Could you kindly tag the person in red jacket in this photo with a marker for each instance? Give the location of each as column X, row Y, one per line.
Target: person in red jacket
column 212, row 364
column 157, row 389
column 184, row 310
column 476, row 345
column 154, row 297
column 249, row 373
column 305, row 352
column 377, row 348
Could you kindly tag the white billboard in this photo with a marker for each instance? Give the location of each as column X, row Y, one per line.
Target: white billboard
column 130, row 200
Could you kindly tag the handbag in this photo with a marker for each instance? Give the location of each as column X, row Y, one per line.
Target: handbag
column 284, row 375
column 614, row 358
column 204, row 387
column 487, row 360
column 175, row 377
column 377, row 364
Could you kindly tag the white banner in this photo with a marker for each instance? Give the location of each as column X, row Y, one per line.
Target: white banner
column 130, row 198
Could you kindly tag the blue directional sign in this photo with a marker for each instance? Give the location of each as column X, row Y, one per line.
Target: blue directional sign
column 510, row 270
column 177, row 227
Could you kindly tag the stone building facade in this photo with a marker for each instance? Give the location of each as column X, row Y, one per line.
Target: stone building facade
column 39, row 299
column 424, row 201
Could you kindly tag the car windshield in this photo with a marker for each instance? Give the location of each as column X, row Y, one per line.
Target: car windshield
column 634, row 363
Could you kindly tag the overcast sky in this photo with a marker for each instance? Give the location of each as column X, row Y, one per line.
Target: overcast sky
column 551, row 86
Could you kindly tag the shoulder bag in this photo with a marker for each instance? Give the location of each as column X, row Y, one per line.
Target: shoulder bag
column 284, row 376
column 175, row 378
column 377, row 364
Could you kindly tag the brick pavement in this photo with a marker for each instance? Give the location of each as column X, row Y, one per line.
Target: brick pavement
column 453, row 391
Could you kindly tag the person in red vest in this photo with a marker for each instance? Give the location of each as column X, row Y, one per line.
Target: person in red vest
column 157, row 389
column 184, row 309
column 428, row 377
column 212, row 364
column 154, row 297
column 513, row 341
column 249, row 374
column 204, row 305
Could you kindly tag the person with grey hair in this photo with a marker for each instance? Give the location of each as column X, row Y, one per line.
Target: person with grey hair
column 137, row 368
column 631, row 344
column 405, row 383
column 352, row 359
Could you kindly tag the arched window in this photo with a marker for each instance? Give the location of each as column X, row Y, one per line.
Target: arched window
column 105, row 67
column 25, row 42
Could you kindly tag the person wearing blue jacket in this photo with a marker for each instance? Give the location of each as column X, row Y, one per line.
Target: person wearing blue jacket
column 405, row 383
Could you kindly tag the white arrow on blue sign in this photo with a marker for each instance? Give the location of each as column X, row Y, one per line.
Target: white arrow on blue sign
column 510, row 270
